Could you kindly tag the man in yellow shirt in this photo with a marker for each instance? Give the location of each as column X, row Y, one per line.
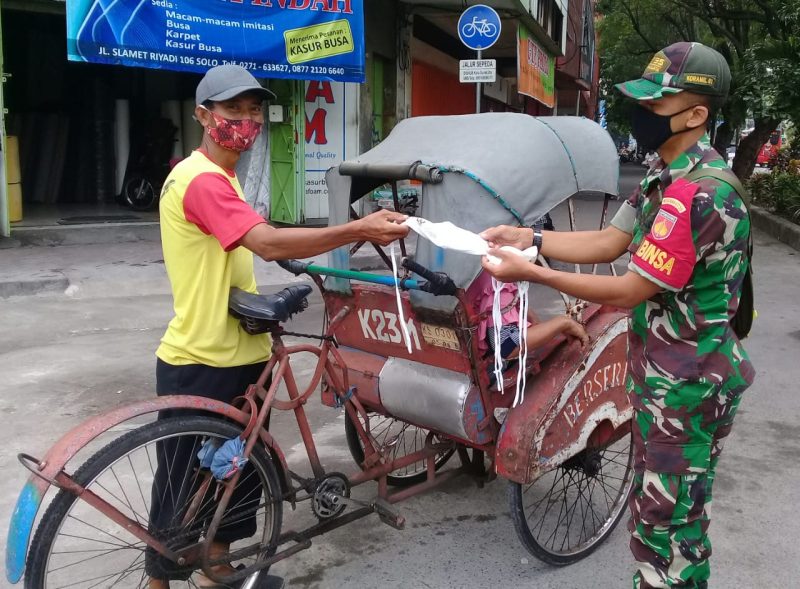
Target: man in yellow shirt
column 209, row 235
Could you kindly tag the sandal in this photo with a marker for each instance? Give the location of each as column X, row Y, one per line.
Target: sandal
column 204, row 582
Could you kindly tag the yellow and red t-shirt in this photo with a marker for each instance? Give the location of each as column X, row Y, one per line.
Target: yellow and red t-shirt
column 203, row 217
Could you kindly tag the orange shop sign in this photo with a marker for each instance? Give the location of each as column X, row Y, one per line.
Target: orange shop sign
column 535, row 69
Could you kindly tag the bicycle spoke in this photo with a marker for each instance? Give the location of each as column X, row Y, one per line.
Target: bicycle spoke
column 121, row 502
column 193, row 454
column 66, row 566
column 99, row 530
column 138, row 485
column 127, row 500
column 126, row 572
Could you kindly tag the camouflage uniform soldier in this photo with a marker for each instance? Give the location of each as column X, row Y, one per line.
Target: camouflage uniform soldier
column 687, row 231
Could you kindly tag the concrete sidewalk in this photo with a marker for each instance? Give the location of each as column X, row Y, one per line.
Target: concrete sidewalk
column 119, row 269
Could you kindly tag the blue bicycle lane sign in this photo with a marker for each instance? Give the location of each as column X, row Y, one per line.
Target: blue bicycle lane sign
column 479, row 27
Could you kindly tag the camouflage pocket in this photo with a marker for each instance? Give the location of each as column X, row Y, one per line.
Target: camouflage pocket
column 672, row 500
column 674, row 483
column 677, row 458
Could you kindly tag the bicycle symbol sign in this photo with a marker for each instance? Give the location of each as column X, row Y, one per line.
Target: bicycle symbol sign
column 479, row 27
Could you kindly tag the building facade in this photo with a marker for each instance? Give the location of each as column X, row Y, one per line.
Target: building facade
column 82, row 126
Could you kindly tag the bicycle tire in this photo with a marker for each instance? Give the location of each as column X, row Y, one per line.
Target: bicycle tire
column 140, row 193
column 536, row 541
column 93, row 469
column 401, row 477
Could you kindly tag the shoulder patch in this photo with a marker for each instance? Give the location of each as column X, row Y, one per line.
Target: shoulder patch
column 675, row 203
column 663, row 224
column 679, row 195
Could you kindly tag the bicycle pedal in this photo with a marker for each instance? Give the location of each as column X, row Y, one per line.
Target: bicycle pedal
column 388, row 514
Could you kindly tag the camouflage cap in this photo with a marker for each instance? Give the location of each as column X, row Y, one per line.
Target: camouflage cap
column 693, row 67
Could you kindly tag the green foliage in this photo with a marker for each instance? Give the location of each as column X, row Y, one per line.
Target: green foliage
column 787, row 159
column 624, row 53
column 778, row 191
column 760, row 40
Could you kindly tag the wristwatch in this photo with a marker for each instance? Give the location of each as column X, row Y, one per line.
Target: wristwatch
column 537, row 238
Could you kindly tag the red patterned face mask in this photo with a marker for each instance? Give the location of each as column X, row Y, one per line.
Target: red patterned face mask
column 236, row 135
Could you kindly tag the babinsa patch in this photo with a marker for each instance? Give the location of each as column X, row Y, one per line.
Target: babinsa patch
column 663, row 225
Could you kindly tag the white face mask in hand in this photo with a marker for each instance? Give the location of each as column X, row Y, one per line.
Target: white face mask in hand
column 449, row 236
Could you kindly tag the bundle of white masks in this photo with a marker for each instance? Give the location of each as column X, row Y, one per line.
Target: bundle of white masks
column 449, row 236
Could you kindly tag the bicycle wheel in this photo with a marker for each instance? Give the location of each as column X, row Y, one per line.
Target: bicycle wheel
column 77, row 546
column 140, row 193
column 403, row 438
column 568, row 512
column 468, row 30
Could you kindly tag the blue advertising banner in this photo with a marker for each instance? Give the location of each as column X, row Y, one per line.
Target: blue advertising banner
column 300, row 39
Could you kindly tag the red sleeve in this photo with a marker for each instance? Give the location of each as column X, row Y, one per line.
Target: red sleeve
column 214, row 206
column 667, row 253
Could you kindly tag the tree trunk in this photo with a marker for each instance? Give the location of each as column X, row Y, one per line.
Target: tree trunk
column 748, row 149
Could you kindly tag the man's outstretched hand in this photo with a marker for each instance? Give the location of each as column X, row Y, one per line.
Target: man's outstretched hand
column 382, row 227
column 518, row 237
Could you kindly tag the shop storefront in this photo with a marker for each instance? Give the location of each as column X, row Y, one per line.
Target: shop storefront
column 84, row 127
column 435, row 53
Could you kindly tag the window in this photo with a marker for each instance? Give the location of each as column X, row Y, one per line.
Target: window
column 587, row 42
column 550, row 17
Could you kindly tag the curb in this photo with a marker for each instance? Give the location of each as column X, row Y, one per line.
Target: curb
column 87, row 234
column 778, row 227
column 8, row 243
column 33, row 285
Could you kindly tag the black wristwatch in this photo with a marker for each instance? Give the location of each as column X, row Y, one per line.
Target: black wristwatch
column 537, row 238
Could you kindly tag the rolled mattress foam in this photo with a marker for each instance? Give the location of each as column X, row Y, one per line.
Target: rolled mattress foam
column 122, row 141
column 13, row 175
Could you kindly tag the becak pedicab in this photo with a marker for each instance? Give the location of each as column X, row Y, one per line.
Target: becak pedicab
column 400, row 355
column 566, row 449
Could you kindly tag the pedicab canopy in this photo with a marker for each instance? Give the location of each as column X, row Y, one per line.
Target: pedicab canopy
column 477, row 171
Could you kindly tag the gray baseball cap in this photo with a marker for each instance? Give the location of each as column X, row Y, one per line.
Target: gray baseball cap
column 226, row 81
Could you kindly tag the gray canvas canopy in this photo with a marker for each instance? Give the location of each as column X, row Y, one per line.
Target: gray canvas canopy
column 477, row 171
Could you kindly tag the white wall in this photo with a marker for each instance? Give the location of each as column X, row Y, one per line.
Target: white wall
column 333, row 142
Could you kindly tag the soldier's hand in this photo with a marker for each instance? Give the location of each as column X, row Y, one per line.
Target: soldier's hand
column 382, row 227
column 518, row 237
column 511, row 268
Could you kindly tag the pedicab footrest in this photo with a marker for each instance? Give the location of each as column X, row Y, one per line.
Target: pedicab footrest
column 262, row 313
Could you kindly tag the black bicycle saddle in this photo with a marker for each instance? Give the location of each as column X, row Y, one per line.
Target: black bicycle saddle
column 278, row 307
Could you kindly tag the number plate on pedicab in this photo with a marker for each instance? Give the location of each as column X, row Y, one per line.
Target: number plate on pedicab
column 443, row 337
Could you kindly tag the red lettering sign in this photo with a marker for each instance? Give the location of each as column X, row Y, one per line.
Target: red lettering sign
column 316, row 127
column 320, row 90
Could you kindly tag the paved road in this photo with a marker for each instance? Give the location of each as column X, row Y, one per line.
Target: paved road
column 66, row 358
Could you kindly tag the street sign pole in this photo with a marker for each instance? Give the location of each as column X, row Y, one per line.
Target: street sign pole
column 478, row 28
column 478, row 88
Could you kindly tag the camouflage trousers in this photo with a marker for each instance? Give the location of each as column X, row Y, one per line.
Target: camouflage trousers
column 677, row 439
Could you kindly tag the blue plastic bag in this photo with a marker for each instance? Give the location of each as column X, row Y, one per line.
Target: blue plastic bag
column 228, row 459
column 224, row 461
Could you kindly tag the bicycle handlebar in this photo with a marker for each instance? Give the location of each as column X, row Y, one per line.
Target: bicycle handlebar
column 296, row 267
column 439, row 283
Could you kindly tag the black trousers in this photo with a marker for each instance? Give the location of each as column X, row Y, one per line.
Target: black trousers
column 173, row 487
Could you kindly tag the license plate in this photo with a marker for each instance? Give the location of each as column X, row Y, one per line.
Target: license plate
column 442, row 337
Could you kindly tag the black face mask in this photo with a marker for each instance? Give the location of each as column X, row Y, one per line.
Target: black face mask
column 651, row 130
